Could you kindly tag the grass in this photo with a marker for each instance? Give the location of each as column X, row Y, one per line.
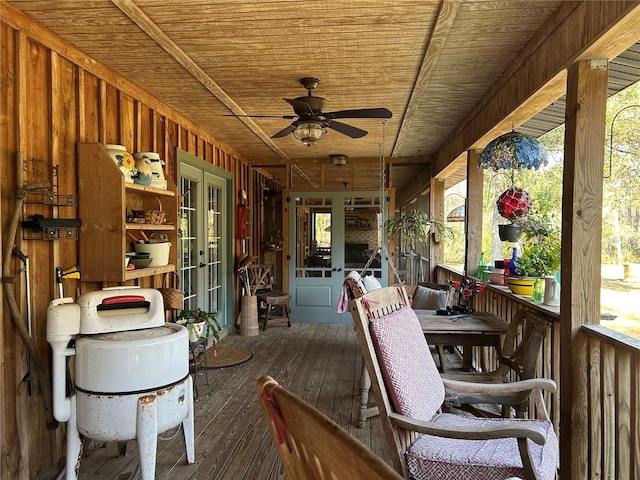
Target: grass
column 622, row 298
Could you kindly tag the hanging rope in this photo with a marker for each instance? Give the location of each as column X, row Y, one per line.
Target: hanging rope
column 382, row 246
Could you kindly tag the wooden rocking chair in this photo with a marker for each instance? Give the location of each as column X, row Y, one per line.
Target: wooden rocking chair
column 518, row 360
column 312, row 446
column 409, row 391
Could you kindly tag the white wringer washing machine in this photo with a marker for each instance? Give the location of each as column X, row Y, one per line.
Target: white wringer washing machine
column 131, row 372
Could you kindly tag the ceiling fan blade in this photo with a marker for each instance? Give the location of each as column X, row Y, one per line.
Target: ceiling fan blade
column 288, row 117
column 301, row 108
column 360, row 113
column 347, row 130
column 284, row 132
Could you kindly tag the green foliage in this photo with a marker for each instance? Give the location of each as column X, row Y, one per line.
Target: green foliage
column 540, row 254
column 621, row 204
column 415, row 226
column 212, row 327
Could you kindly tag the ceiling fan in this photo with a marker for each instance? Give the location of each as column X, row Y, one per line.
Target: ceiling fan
column 312, row 121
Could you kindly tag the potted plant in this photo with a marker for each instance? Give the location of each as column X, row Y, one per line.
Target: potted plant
column 414, row 226
column 540, row 254
column 201, row 324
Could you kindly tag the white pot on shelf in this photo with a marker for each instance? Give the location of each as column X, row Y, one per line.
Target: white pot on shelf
column 114, row 150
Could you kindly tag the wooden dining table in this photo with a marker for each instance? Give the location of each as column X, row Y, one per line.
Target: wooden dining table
column 480, row 329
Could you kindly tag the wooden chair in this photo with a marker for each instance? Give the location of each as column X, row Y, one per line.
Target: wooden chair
column 259, row 277
column 518, row 359
column 312, row 446
column 425, row 443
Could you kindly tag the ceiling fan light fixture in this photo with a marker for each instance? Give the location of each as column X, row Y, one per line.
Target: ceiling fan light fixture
column 339, row 160
column 309, row 132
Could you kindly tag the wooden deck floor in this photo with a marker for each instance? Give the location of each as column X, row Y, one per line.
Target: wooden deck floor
column 319, row 362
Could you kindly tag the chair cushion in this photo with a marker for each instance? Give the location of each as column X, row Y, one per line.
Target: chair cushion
column 427, row 298
column 371, row 283
column 436, row 458
column 409, row 372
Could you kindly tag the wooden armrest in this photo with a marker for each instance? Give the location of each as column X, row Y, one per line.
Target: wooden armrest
column 508, row 430
column 545, row 384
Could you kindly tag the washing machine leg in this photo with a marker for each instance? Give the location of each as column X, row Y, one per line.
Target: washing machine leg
column 147, row 435
column 74, row 445
column 187, row 425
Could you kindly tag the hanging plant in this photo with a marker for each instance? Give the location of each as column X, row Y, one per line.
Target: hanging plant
column 416, row 226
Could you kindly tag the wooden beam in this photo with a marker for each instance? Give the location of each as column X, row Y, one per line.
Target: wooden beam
column 446, row 16
column 577, row 28
column 143, row 21
column 327, row 161
column 581, row 254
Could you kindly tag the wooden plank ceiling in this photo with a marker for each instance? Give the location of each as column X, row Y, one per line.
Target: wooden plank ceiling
column 429, row 62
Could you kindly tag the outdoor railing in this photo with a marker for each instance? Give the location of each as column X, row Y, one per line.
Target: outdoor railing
column 613, row 391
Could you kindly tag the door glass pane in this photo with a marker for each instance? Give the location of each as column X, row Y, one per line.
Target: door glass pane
column 362, row 235
column 313, row 237
column 213, row 248
column 187, row 242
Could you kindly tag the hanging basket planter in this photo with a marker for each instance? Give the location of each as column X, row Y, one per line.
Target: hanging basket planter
column 509, row 232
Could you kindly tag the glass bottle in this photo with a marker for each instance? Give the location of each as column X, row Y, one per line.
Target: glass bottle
column 512, row 262
column 482, row 268
column 536, row 291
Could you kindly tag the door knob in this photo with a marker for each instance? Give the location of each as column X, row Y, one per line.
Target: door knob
column 202, row 265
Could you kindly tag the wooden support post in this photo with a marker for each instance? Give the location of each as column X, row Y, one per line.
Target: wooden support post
column 581, row 245
column 473, row 213
column 436, row 210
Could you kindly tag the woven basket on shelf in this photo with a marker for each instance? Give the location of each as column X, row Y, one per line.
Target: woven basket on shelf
column 151, row 217
column 172, row 295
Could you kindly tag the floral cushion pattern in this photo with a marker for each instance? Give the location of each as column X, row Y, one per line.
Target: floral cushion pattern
column 436, row 458
column 409, row 372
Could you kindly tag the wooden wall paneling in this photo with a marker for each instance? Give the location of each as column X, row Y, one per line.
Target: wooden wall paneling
column 10, row 93
column 110, row 115
column 65, row 130
column 60, row 104
column 192, row 142
column 137, row 127
column 153, row 131
column 172, row 141
column 127, row 121
column 81, row 105
column 102, row 110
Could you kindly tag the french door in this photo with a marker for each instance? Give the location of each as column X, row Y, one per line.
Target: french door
column 205, row 241
column 331, row 234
